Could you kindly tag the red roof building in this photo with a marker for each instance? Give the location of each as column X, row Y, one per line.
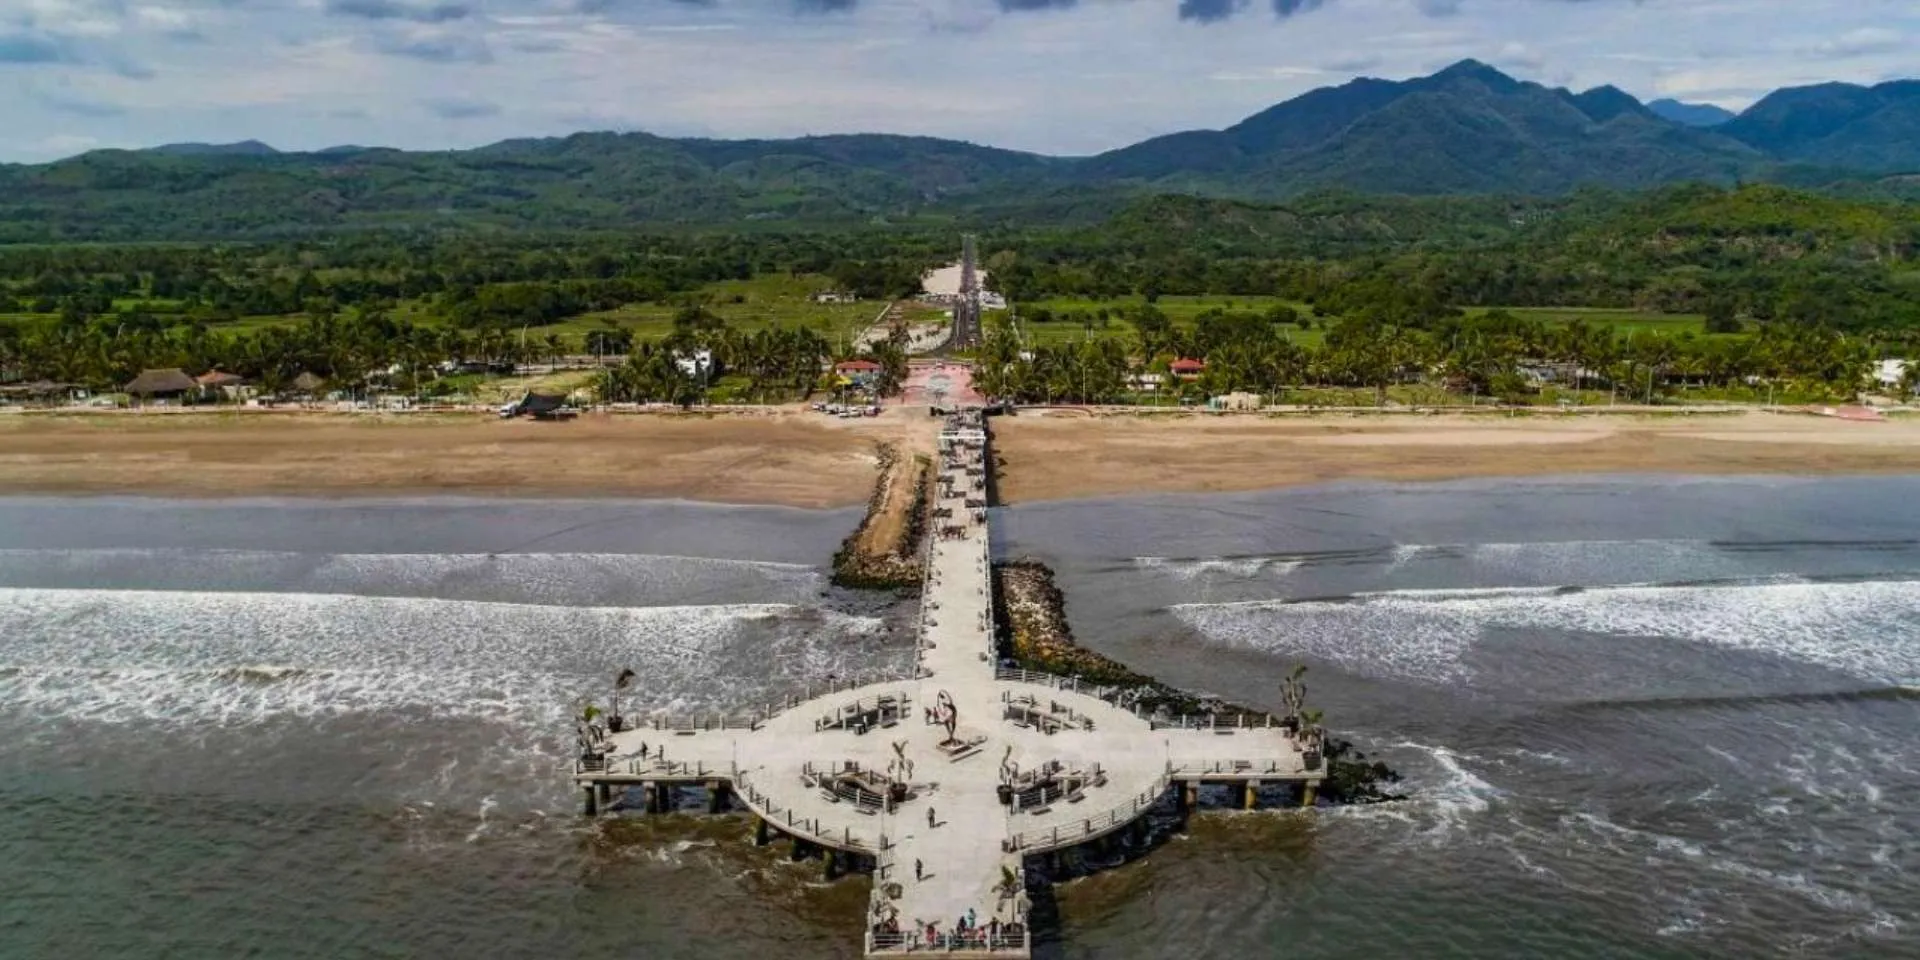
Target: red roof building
column 1187, row 368
column 856, row 366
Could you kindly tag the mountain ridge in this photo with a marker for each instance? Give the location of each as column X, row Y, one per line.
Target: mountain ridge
column 1467, row 129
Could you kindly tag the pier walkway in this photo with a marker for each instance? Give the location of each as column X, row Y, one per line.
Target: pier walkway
column 947, row 781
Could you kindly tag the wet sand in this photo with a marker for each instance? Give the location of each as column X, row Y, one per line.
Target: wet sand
column 1063, row 456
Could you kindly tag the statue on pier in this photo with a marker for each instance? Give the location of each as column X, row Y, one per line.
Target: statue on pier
column 900, row 769
column 947, row 713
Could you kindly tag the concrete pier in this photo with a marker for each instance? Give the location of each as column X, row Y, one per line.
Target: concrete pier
column 950, row 779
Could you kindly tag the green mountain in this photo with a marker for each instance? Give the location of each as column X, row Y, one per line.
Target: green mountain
column 1468, row 129
column 1691, row 114
column 1837, row 125
column 245, row 148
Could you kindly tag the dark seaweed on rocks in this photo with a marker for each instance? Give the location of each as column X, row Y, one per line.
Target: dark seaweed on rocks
column 1033, row 634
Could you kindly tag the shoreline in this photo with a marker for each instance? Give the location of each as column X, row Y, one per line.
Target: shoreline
column 786, row 456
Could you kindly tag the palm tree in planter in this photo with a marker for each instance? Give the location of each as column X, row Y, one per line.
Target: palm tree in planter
column 1311, row 735
column 1294, row 693
column 1304, row 723
column 592, row 738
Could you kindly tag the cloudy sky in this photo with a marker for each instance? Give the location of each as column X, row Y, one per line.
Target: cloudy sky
column 1057, row 76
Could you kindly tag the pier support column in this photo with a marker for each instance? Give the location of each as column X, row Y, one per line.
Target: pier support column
column 1252, row 798
column 831, row 871
column 799, row 851
column 590, row 801
column 760, row 837
column 1308, row 791
column 716, row 796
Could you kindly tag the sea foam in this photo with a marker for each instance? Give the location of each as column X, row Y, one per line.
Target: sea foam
column 1866, row 629
column 224, row 657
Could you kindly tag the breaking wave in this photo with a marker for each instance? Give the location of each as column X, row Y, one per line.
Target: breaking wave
column 131, row 656
column 1202, row 567
column 1867, row 629
column 579, row 579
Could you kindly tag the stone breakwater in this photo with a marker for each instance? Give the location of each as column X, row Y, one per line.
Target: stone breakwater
column 882, row 553
column 1032, row 632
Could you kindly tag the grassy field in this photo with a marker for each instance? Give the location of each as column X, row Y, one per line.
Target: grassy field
column 757, row 304
column 1621, row 320
column 1183, row 310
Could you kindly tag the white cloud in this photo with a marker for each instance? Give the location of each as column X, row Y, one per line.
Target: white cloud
column 1073, row 79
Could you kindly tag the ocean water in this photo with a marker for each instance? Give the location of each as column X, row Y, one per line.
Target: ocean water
column 1639, row 717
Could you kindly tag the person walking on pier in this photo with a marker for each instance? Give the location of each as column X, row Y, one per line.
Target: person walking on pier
column 919, row 871
column 930, row 818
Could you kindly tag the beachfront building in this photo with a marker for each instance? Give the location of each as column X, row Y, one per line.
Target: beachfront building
column 1890, row 374
column 1236, row 401
column 1186, row 368
column 308, row 385
column 1146, row 382
column 859, row 374
column 223, row 386
column 167, row 385
column 47, row 392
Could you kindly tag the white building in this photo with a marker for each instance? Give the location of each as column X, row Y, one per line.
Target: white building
column 695, row 363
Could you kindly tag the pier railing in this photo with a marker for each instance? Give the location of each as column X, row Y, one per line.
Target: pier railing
column 664, row 769
column 1076, row 831
column 1213, row 721
column 676, row 723
column 808, row 828
column 977, row 940
column 1242, row 769
column 716, row 721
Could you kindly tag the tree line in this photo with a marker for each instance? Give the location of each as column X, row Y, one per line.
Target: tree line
column 1495, row 355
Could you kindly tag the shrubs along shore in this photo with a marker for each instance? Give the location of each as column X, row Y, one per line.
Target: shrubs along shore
column 1033, row 634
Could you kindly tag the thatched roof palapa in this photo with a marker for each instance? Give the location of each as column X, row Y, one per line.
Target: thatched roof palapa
column 38, row 388
column 169, row 380
column 217, row 378
column 306, row 382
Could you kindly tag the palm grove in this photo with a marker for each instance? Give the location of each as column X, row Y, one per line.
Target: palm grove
column 1800, row 292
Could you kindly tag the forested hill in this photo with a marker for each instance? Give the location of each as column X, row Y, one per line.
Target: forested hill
column 1469, row 129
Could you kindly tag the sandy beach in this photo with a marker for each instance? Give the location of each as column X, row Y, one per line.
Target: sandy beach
column 1061, row 456
column 787, row 457
column 795, row 458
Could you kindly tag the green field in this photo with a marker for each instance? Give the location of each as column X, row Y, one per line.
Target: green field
column 1182, row 311
column 749, row 305
column 758, row 304
column 1622, row 320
